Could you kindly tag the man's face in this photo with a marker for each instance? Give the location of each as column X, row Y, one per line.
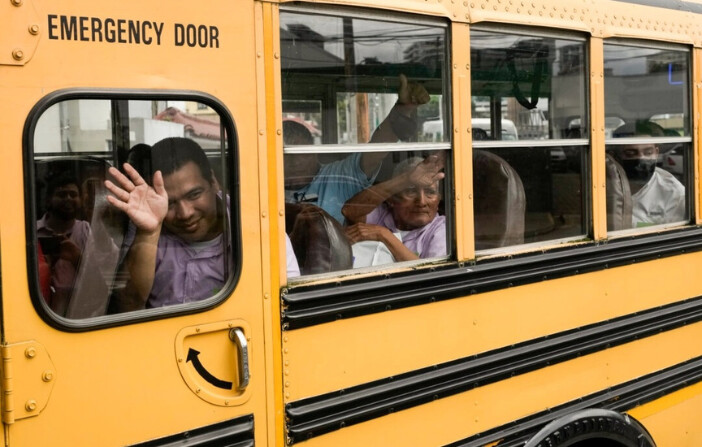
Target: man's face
column 65, row 201
column 638, row 160
column 300, row 169
column 639, row 151
column 415, row 206
column 192, row 205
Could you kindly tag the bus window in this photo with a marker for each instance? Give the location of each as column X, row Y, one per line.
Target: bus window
column 362, row 173
column 647, row 88
column 118, row 237
column 528, row 100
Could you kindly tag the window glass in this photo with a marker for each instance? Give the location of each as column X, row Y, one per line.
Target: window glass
column 530, row 140
column 649, row 143
column 115, row 237
column 354, row 69
column 350, row 81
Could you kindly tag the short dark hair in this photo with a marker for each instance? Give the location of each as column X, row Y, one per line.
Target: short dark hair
column 171, row 154
column 59, row 180
column 139, row 156
column 296, row 133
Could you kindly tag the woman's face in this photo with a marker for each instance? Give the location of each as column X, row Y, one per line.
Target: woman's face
column 415, row 207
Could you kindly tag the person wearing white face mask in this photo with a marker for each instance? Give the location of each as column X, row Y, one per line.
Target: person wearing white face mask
column 657, row 196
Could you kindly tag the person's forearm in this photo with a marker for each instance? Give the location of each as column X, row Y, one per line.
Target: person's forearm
column 359, row 206
column 399, row 251
column 384, row 133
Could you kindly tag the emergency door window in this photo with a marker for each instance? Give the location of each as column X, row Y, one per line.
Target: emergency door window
column 132, row 213
column 365, row 148
column 649, row 144
column 530, row 139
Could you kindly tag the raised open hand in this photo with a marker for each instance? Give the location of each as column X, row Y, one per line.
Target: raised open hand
column 428, row 171
column 146, row 206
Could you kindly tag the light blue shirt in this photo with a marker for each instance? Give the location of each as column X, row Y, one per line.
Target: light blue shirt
column 334, row 184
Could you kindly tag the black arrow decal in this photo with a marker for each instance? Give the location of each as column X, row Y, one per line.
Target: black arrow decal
column 193, row 357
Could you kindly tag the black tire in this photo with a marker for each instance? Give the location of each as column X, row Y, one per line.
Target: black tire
column 593, row 428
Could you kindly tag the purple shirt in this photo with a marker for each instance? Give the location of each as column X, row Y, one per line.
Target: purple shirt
column 428, row 241
column 186, row 272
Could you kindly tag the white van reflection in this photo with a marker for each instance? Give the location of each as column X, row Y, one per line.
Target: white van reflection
column 433, row 130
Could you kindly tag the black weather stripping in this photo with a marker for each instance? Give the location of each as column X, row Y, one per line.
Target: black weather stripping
column 316, row 304
column 321, row 414
column 237, row 432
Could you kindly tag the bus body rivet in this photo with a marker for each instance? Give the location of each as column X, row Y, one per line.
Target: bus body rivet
column 17, row 54
column 16, row 2
column 48, row 376
column 34, row 29
column 31, row 405
column 30, row 352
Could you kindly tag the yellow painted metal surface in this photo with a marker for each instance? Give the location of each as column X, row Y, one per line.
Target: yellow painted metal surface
column 20, row 34
column 210, row 362
column 599, row 18
column 668, row 418
column 597, row 139
column 123, row 385
column 337, row 355
column 28, row 376
column 462, row 139
column 111, row 381
column 697, row 127
column 456, row 417
column 271, row 159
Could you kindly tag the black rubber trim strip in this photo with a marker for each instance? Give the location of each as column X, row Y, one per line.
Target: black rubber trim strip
column 233, row 433
column 676, row 5
column 321, row 414
column 620, row 398
column 308, row 305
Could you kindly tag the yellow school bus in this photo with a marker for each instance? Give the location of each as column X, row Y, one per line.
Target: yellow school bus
column 417, row 223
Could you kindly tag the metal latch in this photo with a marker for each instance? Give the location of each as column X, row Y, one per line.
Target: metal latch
column 28, row 376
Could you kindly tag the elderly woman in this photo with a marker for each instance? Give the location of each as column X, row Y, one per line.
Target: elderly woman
column 402, row 212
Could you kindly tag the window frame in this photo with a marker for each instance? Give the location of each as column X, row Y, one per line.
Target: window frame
column 230, row 163
column 586, row 143
column 624, row 141
column 400, row 147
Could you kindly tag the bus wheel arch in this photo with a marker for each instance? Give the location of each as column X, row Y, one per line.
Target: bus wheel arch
column 593, row 427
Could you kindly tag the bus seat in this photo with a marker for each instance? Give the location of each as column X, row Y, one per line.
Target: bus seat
column 499, row 202
column 318, row 240
column 619, row 202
